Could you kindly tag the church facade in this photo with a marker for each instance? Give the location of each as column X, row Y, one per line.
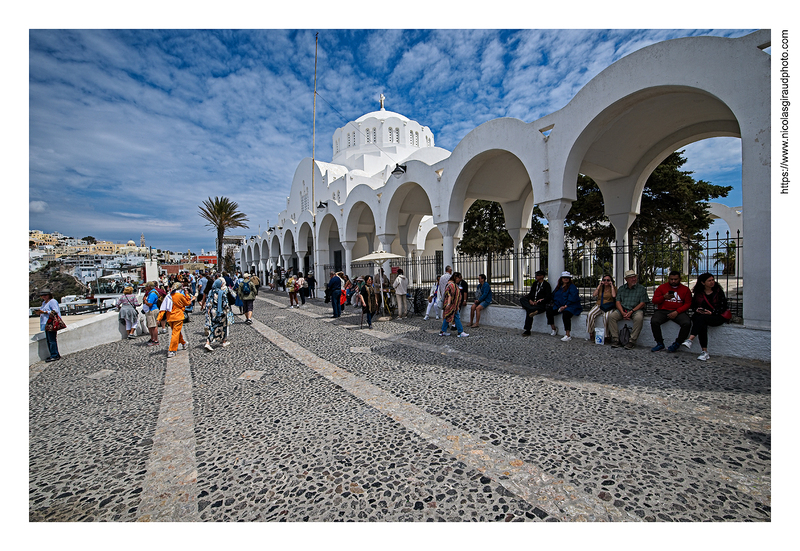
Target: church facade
column 389, row 187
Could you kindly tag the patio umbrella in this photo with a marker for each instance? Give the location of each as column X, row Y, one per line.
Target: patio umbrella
column 378, row 256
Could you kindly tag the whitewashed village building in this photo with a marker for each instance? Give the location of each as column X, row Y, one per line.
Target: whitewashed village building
column 616, row 130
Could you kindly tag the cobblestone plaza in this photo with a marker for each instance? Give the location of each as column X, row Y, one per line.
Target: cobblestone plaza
column 308, row 418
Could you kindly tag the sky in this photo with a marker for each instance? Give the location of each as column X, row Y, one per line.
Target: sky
column 130, row 130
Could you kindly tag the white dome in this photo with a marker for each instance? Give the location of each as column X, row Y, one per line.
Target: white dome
column 382, row 114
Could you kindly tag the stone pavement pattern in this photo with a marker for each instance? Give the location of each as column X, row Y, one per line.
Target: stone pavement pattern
column 308, row 418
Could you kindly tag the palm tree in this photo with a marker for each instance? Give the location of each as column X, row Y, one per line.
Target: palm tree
column 222, row 214
column 727, row 259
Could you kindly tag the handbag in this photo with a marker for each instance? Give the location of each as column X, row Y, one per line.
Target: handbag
column 54, row 323
column 726, row 315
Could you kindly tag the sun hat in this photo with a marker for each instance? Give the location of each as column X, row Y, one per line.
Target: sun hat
column 629, row 273
column 44, row 292
column 566, row 274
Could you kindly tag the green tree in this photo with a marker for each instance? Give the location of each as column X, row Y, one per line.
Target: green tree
column 672, row 202
column 90, row 240
column 222, row 214
column 485, row 232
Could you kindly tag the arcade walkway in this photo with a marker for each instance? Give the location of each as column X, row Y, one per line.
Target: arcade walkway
column 307, row 418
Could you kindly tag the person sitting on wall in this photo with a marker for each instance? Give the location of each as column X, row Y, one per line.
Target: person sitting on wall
column 709, row 305
column 536, row 301
column 673, row 300
column 567, row 302
column 606, row 295
column 483, row 298
column 631, row 301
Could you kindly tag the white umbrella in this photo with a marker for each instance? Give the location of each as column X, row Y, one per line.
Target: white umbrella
column 379, row 256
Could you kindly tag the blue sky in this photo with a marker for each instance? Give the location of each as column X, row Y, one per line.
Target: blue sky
column 131, row 129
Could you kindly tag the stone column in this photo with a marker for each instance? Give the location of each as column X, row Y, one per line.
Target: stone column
column 621, row 223
column 448, row 230
column 386, row 240
column 555, row 211
column 348, row 256
column 517, row 235
column 300, row 257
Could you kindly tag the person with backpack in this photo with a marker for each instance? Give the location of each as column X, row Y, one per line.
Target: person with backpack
column 248, row 294
column 150, row 303
column 632, row 299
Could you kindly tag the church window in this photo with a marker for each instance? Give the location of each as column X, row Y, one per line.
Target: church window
column 410, row 137
column 416, row 139
column 374, row 134
column 397, row 135
column 391, row 135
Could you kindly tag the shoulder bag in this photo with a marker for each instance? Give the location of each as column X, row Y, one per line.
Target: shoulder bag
column 54, row 323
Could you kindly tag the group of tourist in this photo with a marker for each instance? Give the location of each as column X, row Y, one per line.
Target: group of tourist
column 215, row 293
column 672, row 299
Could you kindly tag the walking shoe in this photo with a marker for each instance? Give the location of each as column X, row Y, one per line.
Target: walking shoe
column 566, row 338
column 183, row 346
column 131, row 336
column 631, row 345
column 171, row 354
column 226, row 343
column 426, row 318
column 553, row 332
column 704, row 356
column 615, row 343
column 51, row 359
column 526, row 333
column 462, row 334
column 673, row 347
column 443, row 334
column 657, row 347
column 438, row 318
column 688, row 344
column 209, row 347
column 152, row 343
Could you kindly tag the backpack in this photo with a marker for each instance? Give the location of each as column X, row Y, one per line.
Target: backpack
column 625, row 334
column 161, row 294
column 245, row 288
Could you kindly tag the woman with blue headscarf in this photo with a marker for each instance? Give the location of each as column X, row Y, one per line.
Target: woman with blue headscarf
column 217, row 310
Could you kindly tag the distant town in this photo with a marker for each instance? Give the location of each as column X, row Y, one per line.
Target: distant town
column 89, row 259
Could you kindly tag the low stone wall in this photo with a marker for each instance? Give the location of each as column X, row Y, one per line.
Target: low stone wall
column 727, row 340
column 83, row 334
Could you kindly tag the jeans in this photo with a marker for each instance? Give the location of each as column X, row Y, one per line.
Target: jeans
column 369, row 317
column 336, row 297
column 52, row 343
column 456, row 322
column 701, row 323
column 539, row 308
column 566, row 317
column 660, row 316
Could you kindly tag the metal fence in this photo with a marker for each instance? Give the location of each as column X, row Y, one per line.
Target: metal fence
column 511, row 274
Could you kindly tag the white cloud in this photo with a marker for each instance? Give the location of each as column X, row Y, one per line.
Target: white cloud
column 37, row 206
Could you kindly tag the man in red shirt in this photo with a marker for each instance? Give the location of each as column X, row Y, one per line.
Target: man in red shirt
column 672, row 299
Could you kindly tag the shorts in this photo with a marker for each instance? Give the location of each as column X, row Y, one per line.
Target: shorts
column 150, row 318
column 485, row 304
column 248, row 305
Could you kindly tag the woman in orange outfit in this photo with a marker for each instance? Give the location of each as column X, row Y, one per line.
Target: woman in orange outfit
column 175, row 317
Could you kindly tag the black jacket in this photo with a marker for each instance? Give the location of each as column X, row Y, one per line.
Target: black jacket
column 545, row 293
